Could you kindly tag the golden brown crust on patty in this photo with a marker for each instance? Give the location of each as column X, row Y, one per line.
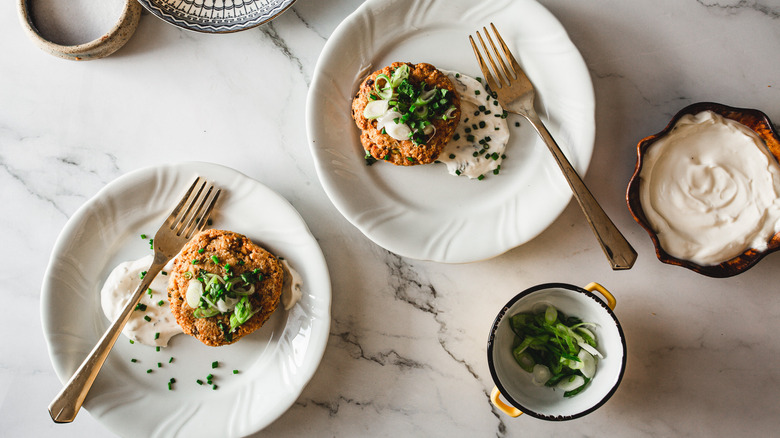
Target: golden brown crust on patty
column 231, row 248
column 405, row 152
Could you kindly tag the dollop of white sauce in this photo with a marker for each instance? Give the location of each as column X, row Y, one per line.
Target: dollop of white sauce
column 118, row 288
column 292, row 290
column 459, row 153
column 710, row 189
column 125, row 278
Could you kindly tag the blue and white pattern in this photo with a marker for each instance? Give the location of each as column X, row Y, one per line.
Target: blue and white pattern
column 216, row 16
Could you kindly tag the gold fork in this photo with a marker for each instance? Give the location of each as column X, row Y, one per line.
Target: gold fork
column 516, row 94
column 189, row 217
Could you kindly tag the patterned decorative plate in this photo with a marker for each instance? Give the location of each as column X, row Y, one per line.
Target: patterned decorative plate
column 216, row 16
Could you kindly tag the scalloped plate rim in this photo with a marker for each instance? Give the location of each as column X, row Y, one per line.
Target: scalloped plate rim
column 319, row 306
column 421, row 244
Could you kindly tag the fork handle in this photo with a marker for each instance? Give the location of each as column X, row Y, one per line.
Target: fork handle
column 66, row 404
column 620, row 253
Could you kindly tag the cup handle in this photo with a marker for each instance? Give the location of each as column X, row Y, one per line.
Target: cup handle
column 503, row 407
column 600, row 289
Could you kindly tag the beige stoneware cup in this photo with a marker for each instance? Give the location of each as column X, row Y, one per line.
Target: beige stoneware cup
column 101, row 47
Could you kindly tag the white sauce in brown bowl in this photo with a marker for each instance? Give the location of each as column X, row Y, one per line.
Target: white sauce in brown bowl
column 710, row 189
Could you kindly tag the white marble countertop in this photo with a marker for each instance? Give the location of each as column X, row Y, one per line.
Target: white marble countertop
column 406, row 355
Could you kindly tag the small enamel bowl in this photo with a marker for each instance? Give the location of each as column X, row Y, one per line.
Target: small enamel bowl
column 515, row 385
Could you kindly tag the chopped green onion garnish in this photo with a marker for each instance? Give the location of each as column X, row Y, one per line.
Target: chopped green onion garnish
column 157, row 335
column 214, row 364
column 133, row 360
column 556, row 348
column 235, row 371
column 161, row 303
column 146, row 318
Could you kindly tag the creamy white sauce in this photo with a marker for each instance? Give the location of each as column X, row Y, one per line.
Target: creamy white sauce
column 118, row 288
column 292, row 292
column 710, row 189
column 126, row 277
column 459, row 153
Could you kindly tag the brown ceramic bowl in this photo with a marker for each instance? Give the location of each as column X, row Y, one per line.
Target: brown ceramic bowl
column 753, row 119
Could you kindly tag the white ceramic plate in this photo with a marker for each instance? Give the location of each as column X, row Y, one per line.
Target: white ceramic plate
column 273, row 363
column 422, row 212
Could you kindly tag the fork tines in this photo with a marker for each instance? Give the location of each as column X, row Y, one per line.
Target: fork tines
column 510, row 72
column 191, row 214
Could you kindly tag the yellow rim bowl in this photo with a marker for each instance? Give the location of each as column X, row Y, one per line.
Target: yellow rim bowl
column 514, row 384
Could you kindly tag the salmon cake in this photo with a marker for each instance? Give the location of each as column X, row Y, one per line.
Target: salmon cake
column 223, row 287
column 406, row 113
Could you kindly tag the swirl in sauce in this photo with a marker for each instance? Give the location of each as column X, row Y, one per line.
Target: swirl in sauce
column 710, row 189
